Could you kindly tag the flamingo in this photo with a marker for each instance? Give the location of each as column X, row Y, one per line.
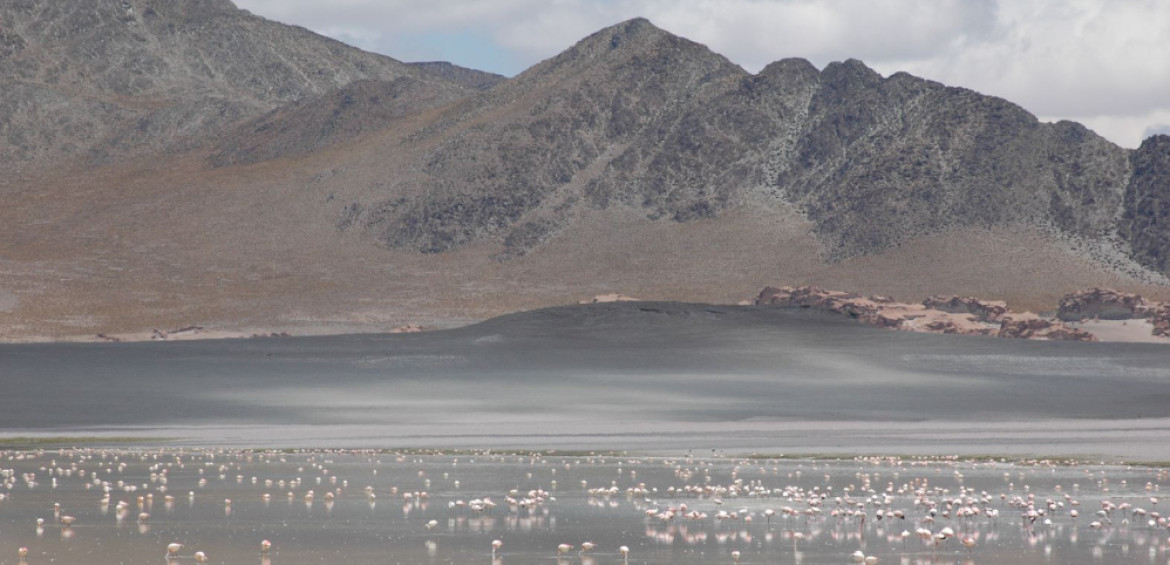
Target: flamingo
column 625, row 551
column 496, row 544
column 173, row 549
column 265, row 545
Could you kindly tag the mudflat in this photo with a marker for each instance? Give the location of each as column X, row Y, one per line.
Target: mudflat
column 643, row 376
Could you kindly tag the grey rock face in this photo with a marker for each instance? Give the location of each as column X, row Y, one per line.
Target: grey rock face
column 110, row 77
column 883, row 159
column 1145, row 221
column 337, row 116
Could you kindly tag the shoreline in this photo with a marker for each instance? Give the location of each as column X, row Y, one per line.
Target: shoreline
column 906, row 317
column 1135, row 441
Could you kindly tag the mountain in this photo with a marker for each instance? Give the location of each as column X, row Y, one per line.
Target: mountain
column 634, row 116
column 555, row 125
column 108, row 78
column 303, row 185
column 470, row 78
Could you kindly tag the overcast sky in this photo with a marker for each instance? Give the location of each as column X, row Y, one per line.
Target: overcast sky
column 1104, row 63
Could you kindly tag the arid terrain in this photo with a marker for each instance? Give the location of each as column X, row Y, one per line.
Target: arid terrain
column 170, row 165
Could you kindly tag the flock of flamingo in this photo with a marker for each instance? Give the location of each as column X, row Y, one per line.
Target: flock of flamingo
column 621, row 508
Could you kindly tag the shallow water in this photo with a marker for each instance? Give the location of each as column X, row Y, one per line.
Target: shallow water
column 392, row 526
column 648, row 377
column 657, row 382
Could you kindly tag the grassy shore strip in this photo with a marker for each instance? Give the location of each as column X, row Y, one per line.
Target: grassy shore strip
column 42, row 442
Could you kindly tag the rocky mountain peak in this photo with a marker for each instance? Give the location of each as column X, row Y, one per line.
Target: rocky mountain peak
column 851, row 74
column 634, row 29
column 650, row 48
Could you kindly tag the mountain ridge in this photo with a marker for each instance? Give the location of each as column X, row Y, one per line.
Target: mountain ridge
column 125, row 78
column 635, row 161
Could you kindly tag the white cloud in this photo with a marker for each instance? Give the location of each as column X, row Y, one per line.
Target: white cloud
column 1100, row 62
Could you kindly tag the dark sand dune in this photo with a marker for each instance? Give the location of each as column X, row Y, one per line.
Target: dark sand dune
column 642, row 376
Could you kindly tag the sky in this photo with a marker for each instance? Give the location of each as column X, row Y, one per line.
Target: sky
column 1104, row 63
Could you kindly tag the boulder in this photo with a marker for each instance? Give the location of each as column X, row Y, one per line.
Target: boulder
column 1031, row 326
column 1161, row 320
column 1103, row 303
column 983, row 310
column 410, row 328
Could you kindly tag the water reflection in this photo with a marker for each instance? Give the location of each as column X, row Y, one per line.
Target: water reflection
column 616, row 508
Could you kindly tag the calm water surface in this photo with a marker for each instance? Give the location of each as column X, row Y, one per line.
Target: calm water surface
column 370, row 507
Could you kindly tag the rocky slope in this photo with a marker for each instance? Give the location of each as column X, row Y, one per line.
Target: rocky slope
column 1145, row 219
column 109, row 78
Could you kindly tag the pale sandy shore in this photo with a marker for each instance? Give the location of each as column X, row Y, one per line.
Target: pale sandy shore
column 1121, row 331
column 1114, row 331
column 913, row 317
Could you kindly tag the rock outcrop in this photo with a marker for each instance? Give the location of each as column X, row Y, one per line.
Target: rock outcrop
column 1103, row 303
column 1030, row 326
column 937, row 314
column 411, row 328
column 867, row 309
column 983, row 310
column 1161, row 320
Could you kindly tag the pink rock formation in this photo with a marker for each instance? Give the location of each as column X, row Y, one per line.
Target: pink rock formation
column 937, row 314
column 410, row 328
column 983, row 310
column 880, row 311
column 1027, row 325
